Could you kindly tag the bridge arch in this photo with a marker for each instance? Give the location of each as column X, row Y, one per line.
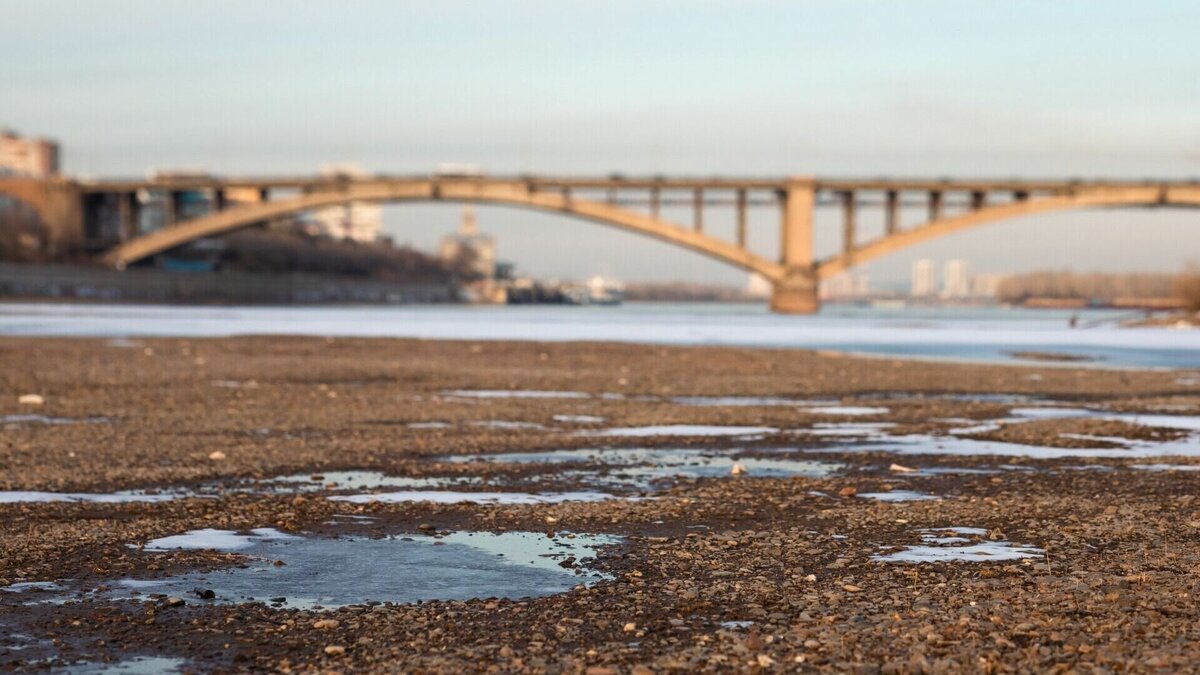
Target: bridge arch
column 513, row 193
column 1099, row 198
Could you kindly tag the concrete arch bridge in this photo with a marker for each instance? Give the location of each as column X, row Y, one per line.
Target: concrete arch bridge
column 102, row 216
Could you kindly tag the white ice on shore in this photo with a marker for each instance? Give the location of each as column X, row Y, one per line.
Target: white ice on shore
column 899, row 496
column 941, row 545
column 25, row 496
column 217, row 540
column 489, row 498
column 514, row 393
column 848, row 410
column 681, row 430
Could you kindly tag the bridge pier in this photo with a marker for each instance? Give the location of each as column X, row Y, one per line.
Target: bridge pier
column 796, row 293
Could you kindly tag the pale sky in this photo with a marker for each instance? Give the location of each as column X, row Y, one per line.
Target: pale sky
column 1030, row 88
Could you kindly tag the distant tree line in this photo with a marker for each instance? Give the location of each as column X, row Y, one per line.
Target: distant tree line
column 279, row 251
column 1187, row 286
column 1100, row 286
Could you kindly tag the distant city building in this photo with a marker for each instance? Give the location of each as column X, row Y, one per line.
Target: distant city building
column 843, row 285
column 20, row 156
column 986, row 285
column 469, row 244
column 356, row 221
column 956, row 280
column 924, row 278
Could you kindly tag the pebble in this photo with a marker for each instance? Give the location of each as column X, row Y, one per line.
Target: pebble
column 31, row 399
column 216, row 455
column 324, row 624
column 335, row 650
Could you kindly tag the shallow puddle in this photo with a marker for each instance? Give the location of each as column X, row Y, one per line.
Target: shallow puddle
column 946, row 544
column 745, row 401
column 325, row 572
column 899, row 496
column 641, row 468
column 364, row 480
column 579, row 419
column 845, row 428
column 1166, row 467
column 847, row 410
column 45, row 420
column 485, row 498
column 514, row 393
column 137, row 665
column 24, row 496
column 923, row 444
column 681, row 430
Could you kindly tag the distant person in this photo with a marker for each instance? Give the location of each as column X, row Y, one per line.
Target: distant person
column 1073, row 321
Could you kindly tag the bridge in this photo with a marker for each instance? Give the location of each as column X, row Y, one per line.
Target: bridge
column 102, row 216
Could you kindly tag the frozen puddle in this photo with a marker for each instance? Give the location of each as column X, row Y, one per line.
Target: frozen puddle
column 681, row 430
column 45, row 420
column 137, row 665
column 1184, row 422
column 326, row 572
column 579, row 419
column 845, row 428
column 925, row 444
column 642, row 467
column 847, row 410
column 899, row 496
column 1166, row 467
column 364, row 480
column 25, row 496
column 744, row 401
column 948, row 544
column 486, row 498
column 514, row 393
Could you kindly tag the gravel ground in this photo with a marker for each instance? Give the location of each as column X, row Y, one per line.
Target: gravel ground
column 794, row 560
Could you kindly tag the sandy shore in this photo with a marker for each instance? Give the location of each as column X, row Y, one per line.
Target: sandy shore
column 794, row 559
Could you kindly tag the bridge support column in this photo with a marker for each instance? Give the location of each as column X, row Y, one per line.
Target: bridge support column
column 62, row 216
column 796, row 293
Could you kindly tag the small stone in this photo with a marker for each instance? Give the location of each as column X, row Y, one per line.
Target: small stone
column 812, row 578
column 31, row 399
column 848, row 491
column 765, row 661
column 426, row 527
column 630, row 627
column 738, row 469
column 851, row 588
column 216, row 455
column 324, row 624
column 174, row 601
column 900, row 468
column 335, row 650
column 551, row 520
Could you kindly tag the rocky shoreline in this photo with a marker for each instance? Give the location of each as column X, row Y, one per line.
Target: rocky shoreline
column 785, row 510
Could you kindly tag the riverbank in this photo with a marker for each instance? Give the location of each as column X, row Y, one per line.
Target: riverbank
column 771, row 508
column 70, row 283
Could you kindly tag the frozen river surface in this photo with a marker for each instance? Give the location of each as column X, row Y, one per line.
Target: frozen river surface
column 978, row 334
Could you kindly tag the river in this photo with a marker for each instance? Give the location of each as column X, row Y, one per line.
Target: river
column 986, row 334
